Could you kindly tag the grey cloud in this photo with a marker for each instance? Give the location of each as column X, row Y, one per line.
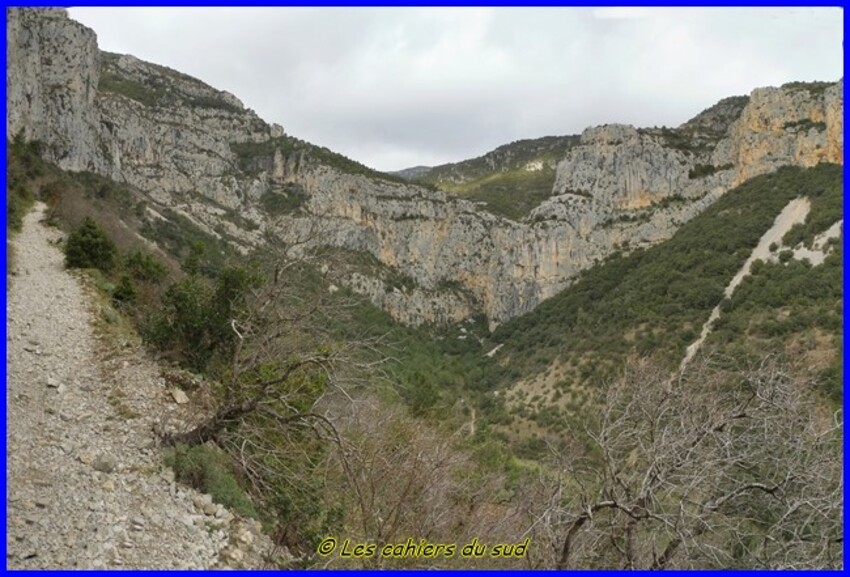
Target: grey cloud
column 403, row 86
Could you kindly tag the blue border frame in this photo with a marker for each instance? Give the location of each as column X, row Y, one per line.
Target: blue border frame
column 467, row 3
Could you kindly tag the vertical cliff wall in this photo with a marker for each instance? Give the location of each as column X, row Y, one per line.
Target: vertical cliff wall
column 52, row 66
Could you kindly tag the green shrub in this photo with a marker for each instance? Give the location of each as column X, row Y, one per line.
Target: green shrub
column 144, row 267
column 192, row 264
column 212, row 102
column 24, row 164
column 125, row 292
column 19, row 201
column 89, row 247
column 289, row 201
column 147, row 94
column 208, row 469
column 194, row 321
column 183, row 320
column 702, row 170
column 804, row 125
column 815, row 88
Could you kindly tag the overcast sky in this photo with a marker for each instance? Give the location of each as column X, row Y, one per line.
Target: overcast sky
column 398, row 87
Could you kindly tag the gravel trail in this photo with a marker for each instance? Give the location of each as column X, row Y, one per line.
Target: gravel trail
column 86, row 487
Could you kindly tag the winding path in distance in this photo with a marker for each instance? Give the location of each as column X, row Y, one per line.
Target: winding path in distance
column 793, row 213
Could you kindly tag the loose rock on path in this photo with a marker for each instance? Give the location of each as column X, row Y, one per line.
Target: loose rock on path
column 86, row 484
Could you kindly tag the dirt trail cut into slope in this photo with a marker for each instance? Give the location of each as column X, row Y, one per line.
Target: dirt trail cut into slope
column 86, row 484
column 793, row 213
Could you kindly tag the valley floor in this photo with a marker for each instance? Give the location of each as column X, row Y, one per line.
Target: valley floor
column 86, row 484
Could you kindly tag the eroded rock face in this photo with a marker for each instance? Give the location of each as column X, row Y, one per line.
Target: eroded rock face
column 780, row 126
column 505, row 267
column 623, row 168
column 52, row 65
column 171, row 134
column 199, row 152
column 414, row 306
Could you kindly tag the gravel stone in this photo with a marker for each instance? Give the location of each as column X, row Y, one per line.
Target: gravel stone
column 86, row 486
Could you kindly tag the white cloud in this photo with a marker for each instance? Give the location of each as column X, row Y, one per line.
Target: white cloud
column 622, row 12
column 394, row 87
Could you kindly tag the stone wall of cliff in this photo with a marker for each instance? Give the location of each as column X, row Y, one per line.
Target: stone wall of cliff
column 52, row 73
column 170, row 134
column 796, row 124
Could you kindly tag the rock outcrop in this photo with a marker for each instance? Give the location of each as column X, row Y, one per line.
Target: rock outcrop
column 199, row 152
column 52, row 74
column 170, row 134
column 617, row 165
column 799, row 124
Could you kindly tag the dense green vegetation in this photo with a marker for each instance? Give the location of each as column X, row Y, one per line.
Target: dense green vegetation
column 144, row 266
column 23, row 166
column 194, row 315
column 793, row 308
column 89, row 247
column 512, row 194
column 432, row 367
column 790, row 306
column 826, row 210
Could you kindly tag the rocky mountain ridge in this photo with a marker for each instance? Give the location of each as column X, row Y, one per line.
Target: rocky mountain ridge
column 529, row 154
column 199, row 152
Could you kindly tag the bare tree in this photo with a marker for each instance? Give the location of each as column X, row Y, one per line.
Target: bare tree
column 722, row 470
column 402, row 478
column 283, row 362
column 283, row 351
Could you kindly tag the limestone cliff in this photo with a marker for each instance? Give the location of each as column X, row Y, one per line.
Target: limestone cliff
column 170, row 134
column 623, row 168
column 199, row 152
column 52, row 68
column 798, row 124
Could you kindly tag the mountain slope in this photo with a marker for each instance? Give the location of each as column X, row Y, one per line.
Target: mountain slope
column 546, row 410
column 86, row 486
column 653, row 302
